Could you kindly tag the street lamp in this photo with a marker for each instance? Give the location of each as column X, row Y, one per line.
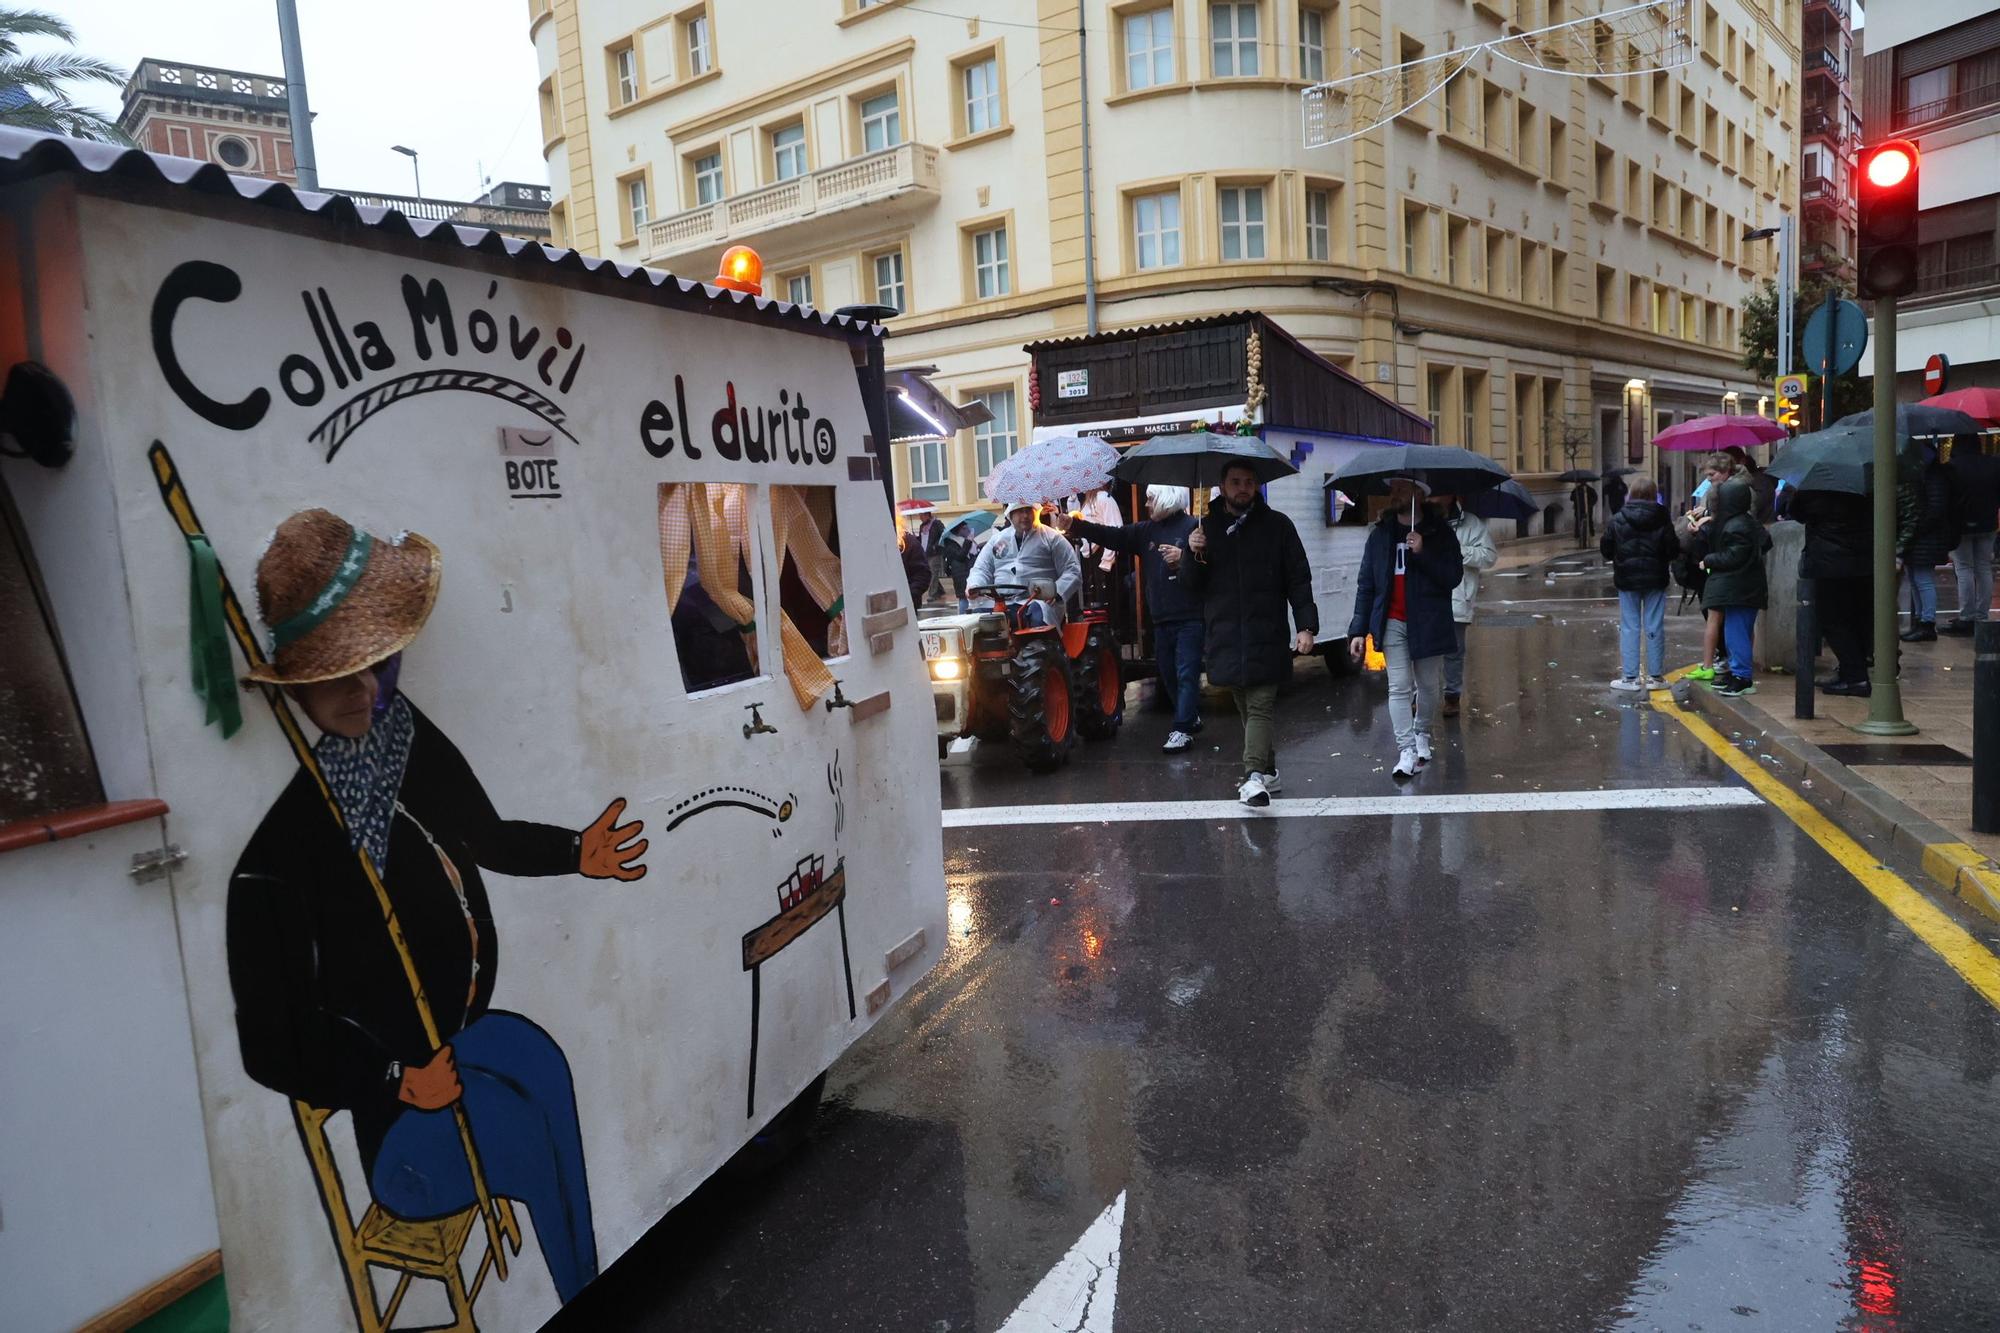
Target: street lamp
column 415, row 170
column 1787, row 284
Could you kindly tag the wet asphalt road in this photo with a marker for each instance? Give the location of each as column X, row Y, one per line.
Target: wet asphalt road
column 1563, row 1070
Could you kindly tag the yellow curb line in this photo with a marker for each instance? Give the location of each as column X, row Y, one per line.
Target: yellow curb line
column 1965, row 871
column 1949, row 940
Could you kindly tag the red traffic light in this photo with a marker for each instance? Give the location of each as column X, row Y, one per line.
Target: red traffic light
column 1886, row 224
column 1890, row 164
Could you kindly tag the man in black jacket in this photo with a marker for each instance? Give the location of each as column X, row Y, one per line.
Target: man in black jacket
column 1838, row 557
column 1972, row 560
column 1248, row 566
column 1174, row 608
column 1639, row 542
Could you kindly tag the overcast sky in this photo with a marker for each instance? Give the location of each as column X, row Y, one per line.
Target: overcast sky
column 453, row 79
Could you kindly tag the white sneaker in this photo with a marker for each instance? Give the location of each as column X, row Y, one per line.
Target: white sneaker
column 1656, row 683
column 1273, row 783
column 1253, row 791
column 1406, row 764
column 1423, row 749
column 1628, row 684
column 1176, row 741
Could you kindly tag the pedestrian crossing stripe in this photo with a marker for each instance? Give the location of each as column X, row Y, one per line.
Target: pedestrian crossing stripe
column 1359, row 807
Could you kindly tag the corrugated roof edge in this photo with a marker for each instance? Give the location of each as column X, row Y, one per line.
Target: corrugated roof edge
column 26, row 155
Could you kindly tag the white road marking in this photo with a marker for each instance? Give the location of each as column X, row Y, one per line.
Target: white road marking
column 1353, row 807
column 1079, row 1293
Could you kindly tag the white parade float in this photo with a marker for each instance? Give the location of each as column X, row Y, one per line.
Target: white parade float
column 664, row 591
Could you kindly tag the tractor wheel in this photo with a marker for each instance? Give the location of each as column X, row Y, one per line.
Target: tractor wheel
column 1038, row 704
column 1100, row 689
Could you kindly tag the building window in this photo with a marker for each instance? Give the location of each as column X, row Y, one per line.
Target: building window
column 232, row 152
column 1232, row 40
column 981, row 83
column 1156, row 229
column 881, row 122
column 625, row 66
column 708, row 178
column 1312, row 45
column 994, row 442
column 550, row 109
column 637, row 214
column 799, row 289
column 700, row 58
column 1476, row 410
column 930, row 469
column 1319, row 224
column 1243, row 222
column 1416, row 223
column 1149, row 49
column 989, row 263
column 788, row 151
column 889, row 287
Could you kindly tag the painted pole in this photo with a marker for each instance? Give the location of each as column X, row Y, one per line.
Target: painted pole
column 1089, row 199
column 1986, row 727
column 304, row 163
column 1885, row 700
column 1788, row 280
column 1806, row 651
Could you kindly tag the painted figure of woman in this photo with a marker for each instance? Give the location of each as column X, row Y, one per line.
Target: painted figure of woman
column 324, row 1006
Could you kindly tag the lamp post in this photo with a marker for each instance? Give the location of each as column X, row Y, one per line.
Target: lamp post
column 1788, row 282
column 415, row 170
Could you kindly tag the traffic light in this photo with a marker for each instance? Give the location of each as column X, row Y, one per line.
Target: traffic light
column 1888, row 219
column 1788, row 413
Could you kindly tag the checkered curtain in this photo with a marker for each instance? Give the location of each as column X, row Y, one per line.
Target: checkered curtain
column 795, row 528
column 713, row 521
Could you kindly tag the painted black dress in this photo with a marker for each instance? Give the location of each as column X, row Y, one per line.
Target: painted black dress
column 323, row 1006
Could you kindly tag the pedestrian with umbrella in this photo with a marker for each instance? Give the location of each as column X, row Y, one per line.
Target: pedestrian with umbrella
column 1615, row 490
column 1928, row 524
column 1476, row 553
column 1830, row 472
column 1249, row 567
column 1979, row 495
column 1583, row 502
column 1409, row 570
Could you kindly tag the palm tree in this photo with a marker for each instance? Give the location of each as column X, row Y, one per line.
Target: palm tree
column 31, row 86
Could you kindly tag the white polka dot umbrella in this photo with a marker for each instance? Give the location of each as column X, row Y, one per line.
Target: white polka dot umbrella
column 1051, row 469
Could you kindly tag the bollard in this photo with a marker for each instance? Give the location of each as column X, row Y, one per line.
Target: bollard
column 1806, row 650
column 1986, row 727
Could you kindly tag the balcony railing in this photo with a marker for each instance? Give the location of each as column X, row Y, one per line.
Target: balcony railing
column 1968, row 277
column 531, row 222
column 903, row 170
column 1818, row 187
column 1823, row 61
column 1943, row 108
column 1838, row 7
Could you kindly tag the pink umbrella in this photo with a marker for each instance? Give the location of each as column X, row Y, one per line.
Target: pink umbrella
column 1711, row 434
column 1981, row 403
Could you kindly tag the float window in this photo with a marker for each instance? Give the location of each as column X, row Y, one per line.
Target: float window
column 709, row 556
column 45, row 761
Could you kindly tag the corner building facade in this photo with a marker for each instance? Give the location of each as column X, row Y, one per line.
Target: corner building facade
column 1551, row 267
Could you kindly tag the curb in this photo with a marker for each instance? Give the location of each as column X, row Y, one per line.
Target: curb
column 1864, row 808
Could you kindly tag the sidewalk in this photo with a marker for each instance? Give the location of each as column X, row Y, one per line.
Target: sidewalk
column 1524, row 551
column 1921, row 797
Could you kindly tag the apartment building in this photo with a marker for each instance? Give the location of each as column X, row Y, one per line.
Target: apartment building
column 1932, row 75
column 1832, row 138
column 1550, row 266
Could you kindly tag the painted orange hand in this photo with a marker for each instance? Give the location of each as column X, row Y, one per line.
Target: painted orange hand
column 609, row 851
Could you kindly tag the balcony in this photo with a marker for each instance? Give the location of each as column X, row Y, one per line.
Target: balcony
column 1823, row 61
column 891, row 185
column 1838, row 8
column 1945, row 108
column 527, row 223
column 1965, row 278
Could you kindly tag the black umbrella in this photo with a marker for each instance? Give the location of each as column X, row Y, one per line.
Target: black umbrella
column 1917, row 419
column 1840, row 458
column 1197, row 459
column 1620, row 471
column 1578, row 475
column 1510, row 499
column 1444, row 469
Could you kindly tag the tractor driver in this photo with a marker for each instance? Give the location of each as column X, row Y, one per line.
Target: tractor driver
column 1030, row 556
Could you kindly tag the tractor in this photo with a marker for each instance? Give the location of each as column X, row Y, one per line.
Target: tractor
column 1039, row 687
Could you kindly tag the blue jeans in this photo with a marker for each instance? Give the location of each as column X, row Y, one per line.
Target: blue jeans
column 1029, row 615
column 1739, row 626
column 1643, row 612
column 1923, row 595
column 1177, row 648
column 522, row 1106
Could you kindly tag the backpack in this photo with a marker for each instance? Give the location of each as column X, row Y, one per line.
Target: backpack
column 1687, row 570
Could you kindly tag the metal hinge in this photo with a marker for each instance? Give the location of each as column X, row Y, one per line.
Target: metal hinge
column 148, row 866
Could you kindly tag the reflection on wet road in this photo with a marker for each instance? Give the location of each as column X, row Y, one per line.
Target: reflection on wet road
column 1532, row 1064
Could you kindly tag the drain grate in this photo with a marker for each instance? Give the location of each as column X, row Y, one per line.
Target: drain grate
column 1924, row 756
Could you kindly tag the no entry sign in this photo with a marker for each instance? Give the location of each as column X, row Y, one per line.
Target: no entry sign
column 1936, row 371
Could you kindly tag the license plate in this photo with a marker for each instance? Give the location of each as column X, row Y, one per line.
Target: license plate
column 933, row 646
